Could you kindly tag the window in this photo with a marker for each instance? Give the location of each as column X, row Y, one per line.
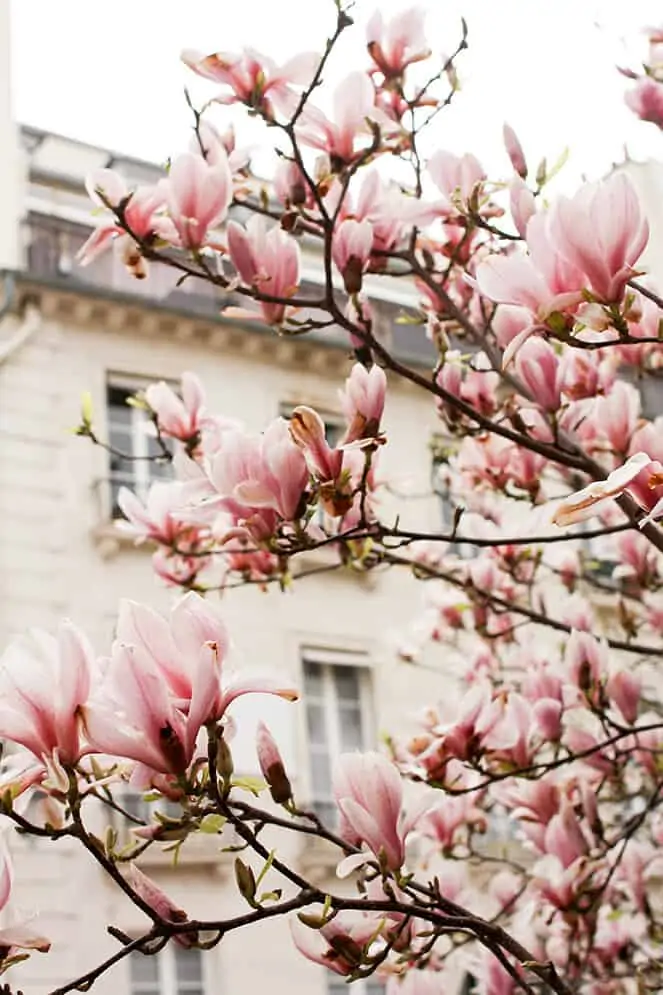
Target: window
column 130, row 432
column 362, row 986
column 174, row 970
column 136, row 805
column 337, row 697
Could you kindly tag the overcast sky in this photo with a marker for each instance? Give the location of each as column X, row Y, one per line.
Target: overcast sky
column 109, row 72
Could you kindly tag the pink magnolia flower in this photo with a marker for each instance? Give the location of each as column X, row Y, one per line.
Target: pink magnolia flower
column 351, row 251
column 254, row 79
column 266, row 259
column 542, row 282
column 396, row 44
column 291, row 186
column 443, row 822
column 44, row 684
column 457, row 177
column 340, row 944
column 344, row 135
column 369, row 793
column 164, row 681
column 160, row 903
column 616, row 415
column 584, row 374
column 198, row 196
column 537, row 366
column 362, row 401
column 308, row 432
column 586, row 660
column 522, row 203
column 390, row 212
column 602, row 232
column 139, row 208
column 179, row 418
column 646, row 100
column 265, row 473
column 624, row 689
column 156, row 518
column 217, row 147
column 272, row 766
column 591, row 499
column 564, row 838
column 514, row 150
column 16, row 937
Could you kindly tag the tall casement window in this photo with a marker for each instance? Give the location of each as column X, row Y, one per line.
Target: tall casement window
column 337, row 693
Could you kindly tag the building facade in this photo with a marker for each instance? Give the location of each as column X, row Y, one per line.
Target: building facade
column 64, row 330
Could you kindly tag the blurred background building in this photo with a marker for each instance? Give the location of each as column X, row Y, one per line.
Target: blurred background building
column 64, row 330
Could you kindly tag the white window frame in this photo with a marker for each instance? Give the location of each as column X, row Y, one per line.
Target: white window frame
column 142, row 469
column 327, row 660
column 167, row 973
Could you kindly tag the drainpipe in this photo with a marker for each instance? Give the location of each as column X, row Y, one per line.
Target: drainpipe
column 29, row 324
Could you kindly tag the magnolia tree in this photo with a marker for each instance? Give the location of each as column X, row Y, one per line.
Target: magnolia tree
column 541, row 322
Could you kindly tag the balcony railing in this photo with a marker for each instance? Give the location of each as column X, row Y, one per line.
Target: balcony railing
column 51, row 248
column 52, row 245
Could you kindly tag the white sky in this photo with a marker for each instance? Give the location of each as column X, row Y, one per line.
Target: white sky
column 108, row 71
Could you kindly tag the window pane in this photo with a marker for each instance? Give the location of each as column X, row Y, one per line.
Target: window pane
column 351, row 728
column 144, row 973
column 313, row 680
column 346, row 680
column 188, row 965
column 317, row 726
column 320, row 775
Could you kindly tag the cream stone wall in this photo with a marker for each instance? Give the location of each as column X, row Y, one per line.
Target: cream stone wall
column 62, row 556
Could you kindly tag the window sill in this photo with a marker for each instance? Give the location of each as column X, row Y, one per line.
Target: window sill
column 110, row 539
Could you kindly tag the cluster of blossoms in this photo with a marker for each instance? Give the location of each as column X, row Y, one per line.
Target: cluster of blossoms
column 253, row 497
column 540, row 335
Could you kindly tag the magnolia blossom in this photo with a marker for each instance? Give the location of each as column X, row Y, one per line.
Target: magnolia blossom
column 17, row 936
column 398, row 43
column 267, row 259
column 363, row 402
column 163, row 682
column 339, row 944
column 198, row 195
column 369, row 793
column 140, row 210
column 591, row 499
column 351, row 251
column 457, row 177
column 156, row 518
column 646, row 100
column 180, row 418
column 44, row 683
column 353, row 107
column 254, row 79
column 514, row 151
column 308, row 432
column 259, row 478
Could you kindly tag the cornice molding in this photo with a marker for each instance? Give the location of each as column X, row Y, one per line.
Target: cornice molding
column 119, row 316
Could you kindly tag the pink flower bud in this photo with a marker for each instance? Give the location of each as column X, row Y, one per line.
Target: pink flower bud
column 272, row 766
column 363, row 402
column 351, row 251
column 159, row 902
column 514, row 150
column 624, row 688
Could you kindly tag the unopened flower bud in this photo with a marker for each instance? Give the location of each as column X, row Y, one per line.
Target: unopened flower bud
column 271, row 765
column 224, row 759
